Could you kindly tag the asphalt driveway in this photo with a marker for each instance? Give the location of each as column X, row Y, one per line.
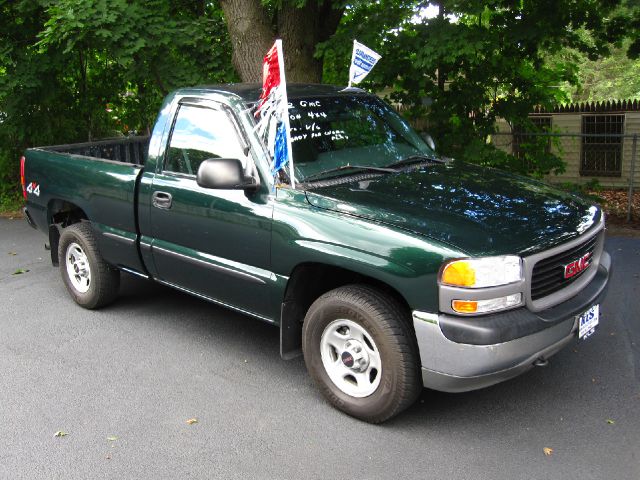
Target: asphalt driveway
column 122, row 383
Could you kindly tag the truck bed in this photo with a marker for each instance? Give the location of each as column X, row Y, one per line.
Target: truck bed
column 97, row 178
column 131, row 150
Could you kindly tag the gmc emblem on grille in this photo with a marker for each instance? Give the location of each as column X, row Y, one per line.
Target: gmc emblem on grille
column 577, row 266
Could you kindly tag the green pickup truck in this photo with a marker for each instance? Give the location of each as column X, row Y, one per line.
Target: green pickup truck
column 389, row 267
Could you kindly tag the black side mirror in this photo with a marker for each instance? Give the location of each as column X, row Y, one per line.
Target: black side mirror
column 225, row 174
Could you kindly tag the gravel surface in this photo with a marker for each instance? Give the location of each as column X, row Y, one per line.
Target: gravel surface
column 123, row 381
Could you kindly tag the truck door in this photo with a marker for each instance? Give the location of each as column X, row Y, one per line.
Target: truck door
column 211, row 242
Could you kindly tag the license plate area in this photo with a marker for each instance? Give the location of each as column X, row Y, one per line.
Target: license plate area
column 588, row 321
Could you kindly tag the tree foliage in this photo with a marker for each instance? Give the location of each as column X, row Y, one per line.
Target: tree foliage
column 72, row 71
column 615, row 76
column 75, row 70
column 479, row 60
column 302, row 24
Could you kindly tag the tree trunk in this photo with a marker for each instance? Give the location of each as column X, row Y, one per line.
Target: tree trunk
column 252, row 33
column 251, row 36
column 298, row 28
column 442, row 74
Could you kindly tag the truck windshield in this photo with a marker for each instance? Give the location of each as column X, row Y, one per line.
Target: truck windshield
column 360, row 130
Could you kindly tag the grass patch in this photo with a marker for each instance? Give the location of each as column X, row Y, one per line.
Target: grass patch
column 11, row 202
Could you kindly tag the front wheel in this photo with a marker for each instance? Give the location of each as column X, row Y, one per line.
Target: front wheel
column 361, row 352
column 91, row 282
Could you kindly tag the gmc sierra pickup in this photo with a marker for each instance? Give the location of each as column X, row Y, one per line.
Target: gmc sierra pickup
column 388, row 267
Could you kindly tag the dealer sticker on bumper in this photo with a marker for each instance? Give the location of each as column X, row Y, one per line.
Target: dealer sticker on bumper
column 587, row 322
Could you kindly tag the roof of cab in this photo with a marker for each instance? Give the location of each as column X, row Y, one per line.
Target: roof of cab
column 250, row 92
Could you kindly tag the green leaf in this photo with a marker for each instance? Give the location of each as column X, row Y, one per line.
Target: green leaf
column 20, row 271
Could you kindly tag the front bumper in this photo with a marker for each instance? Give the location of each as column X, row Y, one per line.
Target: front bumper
column 459, row 355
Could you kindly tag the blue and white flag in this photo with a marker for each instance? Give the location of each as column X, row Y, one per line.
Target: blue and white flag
column 280, row 149
column 363, row 60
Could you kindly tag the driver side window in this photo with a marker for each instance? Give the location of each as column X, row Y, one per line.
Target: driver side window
column 200, row 133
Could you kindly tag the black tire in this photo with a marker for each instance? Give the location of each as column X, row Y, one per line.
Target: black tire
column 103, row 282
column 385, row 320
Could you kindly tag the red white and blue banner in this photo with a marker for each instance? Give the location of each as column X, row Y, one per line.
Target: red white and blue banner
column 273, row 108
column 363, row 59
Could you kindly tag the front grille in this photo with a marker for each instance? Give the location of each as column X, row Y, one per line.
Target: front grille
column 548, row 274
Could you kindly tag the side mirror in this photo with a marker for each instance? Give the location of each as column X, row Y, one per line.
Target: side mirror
column 428, row 140
column 224, row 174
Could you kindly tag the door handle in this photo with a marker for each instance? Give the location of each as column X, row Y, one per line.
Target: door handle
column 161, row 200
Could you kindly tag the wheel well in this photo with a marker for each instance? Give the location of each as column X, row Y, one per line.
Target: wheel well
column 61, row 214
column 301, row 293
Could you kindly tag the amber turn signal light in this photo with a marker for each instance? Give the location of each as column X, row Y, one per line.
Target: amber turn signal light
column 459, row 273
column 464, row 306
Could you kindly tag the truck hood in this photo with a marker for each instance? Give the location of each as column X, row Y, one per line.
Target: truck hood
column 481, row 211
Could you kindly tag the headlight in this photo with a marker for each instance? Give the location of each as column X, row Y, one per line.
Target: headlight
column 482, row 272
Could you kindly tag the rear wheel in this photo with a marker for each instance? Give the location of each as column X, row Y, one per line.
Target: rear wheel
column 361, row 352
column 91, row 282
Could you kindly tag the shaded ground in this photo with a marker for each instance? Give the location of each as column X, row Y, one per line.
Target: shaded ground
column 123, row 381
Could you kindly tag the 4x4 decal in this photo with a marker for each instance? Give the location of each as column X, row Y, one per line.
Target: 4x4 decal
column 33, row 188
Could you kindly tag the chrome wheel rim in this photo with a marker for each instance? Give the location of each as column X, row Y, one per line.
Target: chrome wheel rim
column 78, row 269
column 351, row 358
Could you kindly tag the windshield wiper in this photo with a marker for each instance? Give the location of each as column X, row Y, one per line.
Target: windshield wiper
column 417, row 158
column 368, row 168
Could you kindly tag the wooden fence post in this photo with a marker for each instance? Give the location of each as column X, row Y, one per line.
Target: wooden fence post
column 634, row 152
